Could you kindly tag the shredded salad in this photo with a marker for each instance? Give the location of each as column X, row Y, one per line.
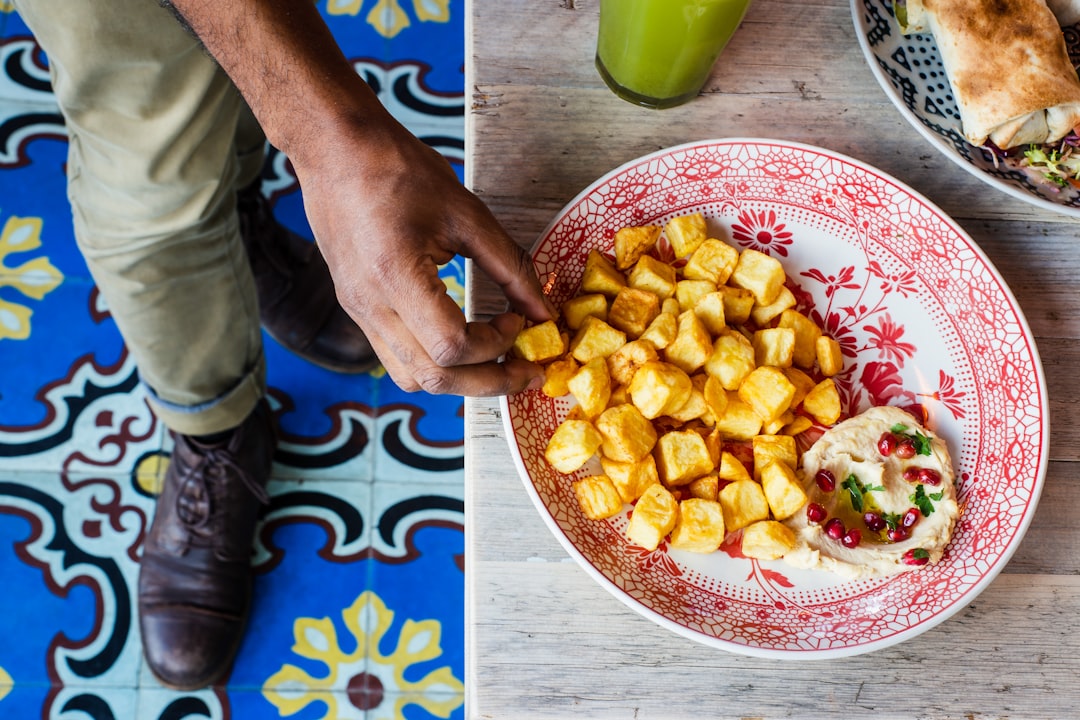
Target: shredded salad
column 1057, row 163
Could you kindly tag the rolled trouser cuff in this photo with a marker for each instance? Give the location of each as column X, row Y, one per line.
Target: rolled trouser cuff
column 222, row 413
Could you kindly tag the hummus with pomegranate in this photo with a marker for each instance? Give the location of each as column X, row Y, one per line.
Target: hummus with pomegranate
column 882, row 497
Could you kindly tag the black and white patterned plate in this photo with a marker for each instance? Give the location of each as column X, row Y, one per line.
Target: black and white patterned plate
column 909, row 69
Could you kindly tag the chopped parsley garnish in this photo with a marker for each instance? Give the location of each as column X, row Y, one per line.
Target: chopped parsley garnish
column 892, row 520
column 856, row 491
column 920, row 554
column 922, row 442
column 923, row 501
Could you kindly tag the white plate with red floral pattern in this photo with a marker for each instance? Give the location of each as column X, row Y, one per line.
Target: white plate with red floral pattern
column 924, row 320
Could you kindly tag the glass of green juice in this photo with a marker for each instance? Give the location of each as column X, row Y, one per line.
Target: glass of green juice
column 659, row 53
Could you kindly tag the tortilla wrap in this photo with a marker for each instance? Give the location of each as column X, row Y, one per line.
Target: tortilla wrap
column 1007, row 65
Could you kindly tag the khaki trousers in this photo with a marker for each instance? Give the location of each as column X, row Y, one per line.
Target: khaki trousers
column 159, row 141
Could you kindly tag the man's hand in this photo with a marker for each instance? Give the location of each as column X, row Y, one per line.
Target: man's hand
column 386, row 209
column 385, row 217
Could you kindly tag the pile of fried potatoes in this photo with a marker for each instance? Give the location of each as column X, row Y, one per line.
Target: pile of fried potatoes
column 676, row 367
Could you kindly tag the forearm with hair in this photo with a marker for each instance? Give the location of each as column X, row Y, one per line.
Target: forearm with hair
column 288, row 66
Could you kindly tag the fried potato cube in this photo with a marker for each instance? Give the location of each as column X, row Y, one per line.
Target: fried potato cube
column 692, row 409
column 540, row 343
column 671, row 305
column 799, row 424
column 633, row 242
column 576, row 309
column 619, row 396
column 803, row 384
column 743, row 503
column 714, row 260
column 767, row 540
column 774, row 426
column 597, row 496
column 653, row 275
column 829, row 356
column 783, row 491
column 686, row 233
column 653, row 517
column 806, row 337
column 823, row 402
column 591, row 387
column 626, row 435
column 774, row 347
column 633, row 310
column 763, row 315
column 759, row 273
column 556, row 375
column 690, row 292
column 715, row 396
column 699, row 527
column 710, row 310
column 662, row 331
column 738, row 304
column 681, row 456
column 692, row 345
column 768, row 391
column 572, row 445
column 705, row 487
column 770, row 448
column 659, row 388
column 731, row 360
column 601, row 276
column 739, row 421
column 624, row 362
column 713, row 442
column 732, row 468
column 595, row 339
column 631, row 479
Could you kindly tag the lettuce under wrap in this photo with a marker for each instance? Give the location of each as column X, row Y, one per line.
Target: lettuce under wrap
column 1007, row 65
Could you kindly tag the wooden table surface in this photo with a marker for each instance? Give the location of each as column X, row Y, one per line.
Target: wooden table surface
column 546, row 641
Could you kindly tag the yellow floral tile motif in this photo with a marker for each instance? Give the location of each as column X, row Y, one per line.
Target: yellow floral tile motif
column 34, row 279
column 6, row 683
column 364, row 684
column 432, row 10
column 388, row 17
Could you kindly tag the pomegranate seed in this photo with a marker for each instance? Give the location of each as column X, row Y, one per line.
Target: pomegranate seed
column 825, row 480
column 851, row 538
column 874, row 521
column 835, row 528
column 929, row 476
column 816, row 513
column 911, row 517
column 906, row 449
column 911, row 474
column 886, row 444
column 898, row 534
column 910, row 558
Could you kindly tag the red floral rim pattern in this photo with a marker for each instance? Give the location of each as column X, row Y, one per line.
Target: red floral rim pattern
column 925, row 322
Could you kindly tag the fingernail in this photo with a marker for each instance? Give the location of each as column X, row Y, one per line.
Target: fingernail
column 536, row 383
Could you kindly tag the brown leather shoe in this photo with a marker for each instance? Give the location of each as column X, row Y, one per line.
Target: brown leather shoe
column 195, row 575
column 297, row 304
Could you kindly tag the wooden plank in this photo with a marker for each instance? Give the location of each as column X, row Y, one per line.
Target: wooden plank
column 577, row 650
column 544, row 640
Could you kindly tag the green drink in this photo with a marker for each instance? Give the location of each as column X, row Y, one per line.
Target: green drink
column 658, row 53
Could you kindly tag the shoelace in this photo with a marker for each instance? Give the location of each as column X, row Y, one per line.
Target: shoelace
column 214, row 465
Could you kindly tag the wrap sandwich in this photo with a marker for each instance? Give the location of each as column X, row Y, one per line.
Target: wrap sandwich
column 1007, row 65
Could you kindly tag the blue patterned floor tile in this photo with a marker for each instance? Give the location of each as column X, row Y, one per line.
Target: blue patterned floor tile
column 359, row 559
column 70, row 547
column 420, row 441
